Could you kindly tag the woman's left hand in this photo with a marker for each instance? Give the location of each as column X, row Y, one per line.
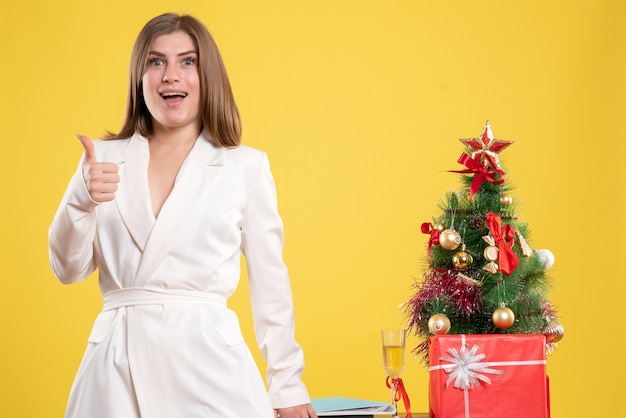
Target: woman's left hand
column 298, row 411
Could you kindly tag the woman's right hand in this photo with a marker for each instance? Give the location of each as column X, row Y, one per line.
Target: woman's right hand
column 101, row 178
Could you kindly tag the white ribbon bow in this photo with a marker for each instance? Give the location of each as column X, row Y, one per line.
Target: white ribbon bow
column 466, row 368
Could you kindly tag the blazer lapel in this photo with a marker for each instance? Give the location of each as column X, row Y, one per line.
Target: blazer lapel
column 133, row 195
column 194, row 178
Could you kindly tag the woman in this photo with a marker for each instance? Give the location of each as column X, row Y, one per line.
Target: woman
column 163, row 210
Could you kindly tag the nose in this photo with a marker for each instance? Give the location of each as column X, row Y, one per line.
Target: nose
column 170, row 74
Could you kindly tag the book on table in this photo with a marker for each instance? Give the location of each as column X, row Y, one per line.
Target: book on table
column 339, row 406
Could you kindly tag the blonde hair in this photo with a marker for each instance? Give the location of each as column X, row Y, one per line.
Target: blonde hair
column 218, row 109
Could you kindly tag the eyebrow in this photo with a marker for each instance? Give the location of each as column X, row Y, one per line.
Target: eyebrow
column 160, row 54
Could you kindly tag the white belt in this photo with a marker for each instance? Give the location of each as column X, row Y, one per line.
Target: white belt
column 138, row 296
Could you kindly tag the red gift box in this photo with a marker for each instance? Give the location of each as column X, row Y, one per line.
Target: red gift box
column 485, row 376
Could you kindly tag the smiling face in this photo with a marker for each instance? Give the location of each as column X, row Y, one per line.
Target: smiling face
column 171, row 83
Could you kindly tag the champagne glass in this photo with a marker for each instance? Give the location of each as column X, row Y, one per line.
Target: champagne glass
column 393, row 359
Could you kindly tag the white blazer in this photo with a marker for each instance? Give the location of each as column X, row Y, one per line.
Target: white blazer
column 165, row 344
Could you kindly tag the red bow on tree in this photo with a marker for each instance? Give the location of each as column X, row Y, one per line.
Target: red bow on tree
column 427, row 228
column 505, row 238
column 481, row 172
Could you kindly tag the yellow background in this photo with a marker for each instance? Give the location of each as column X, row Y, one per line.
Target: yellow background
column 359, row 105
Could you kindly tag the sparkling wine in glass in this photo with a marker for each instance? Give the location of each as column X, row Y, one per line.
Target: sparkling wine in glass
column 393, row 343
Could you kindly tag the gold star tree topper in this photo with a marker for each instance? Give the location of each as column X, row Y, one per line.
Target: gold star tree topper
column 486, row 145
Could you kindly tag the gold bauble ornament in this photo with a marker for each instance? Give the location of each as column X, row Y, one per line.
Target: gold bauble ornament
column 462, row 260
column 450, row 239
column 440, row 227
column 503, row 317
column 554, row 331
column 438, row 324
column 506, row 200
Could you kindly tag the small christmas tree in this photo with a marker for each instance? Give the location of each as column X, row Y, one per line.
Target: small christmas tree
column 482, row 275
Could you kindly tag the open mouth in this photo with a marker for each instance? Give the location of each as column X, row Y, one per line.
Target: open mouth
column 173, row 95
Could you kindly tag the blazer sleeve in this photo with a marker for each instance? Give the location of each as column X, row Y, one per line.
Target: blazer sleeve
column 72, row 231
column 270, row 291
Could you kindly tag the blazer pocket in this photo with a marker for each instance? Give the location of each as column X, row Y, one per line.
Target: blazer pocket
column 101, row 326
column 229, row 331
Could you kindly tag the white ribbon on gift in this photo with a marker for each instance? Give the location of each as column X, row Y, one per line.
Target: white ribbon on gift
column 467, row 369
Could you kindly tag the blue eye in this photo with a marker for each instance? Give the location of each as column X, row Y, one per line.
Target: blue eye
column 189, row 61
column 156, row 62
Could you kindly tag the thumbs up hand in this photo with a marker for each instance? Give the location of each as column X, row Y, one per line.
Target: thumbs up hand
column 101, row 178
